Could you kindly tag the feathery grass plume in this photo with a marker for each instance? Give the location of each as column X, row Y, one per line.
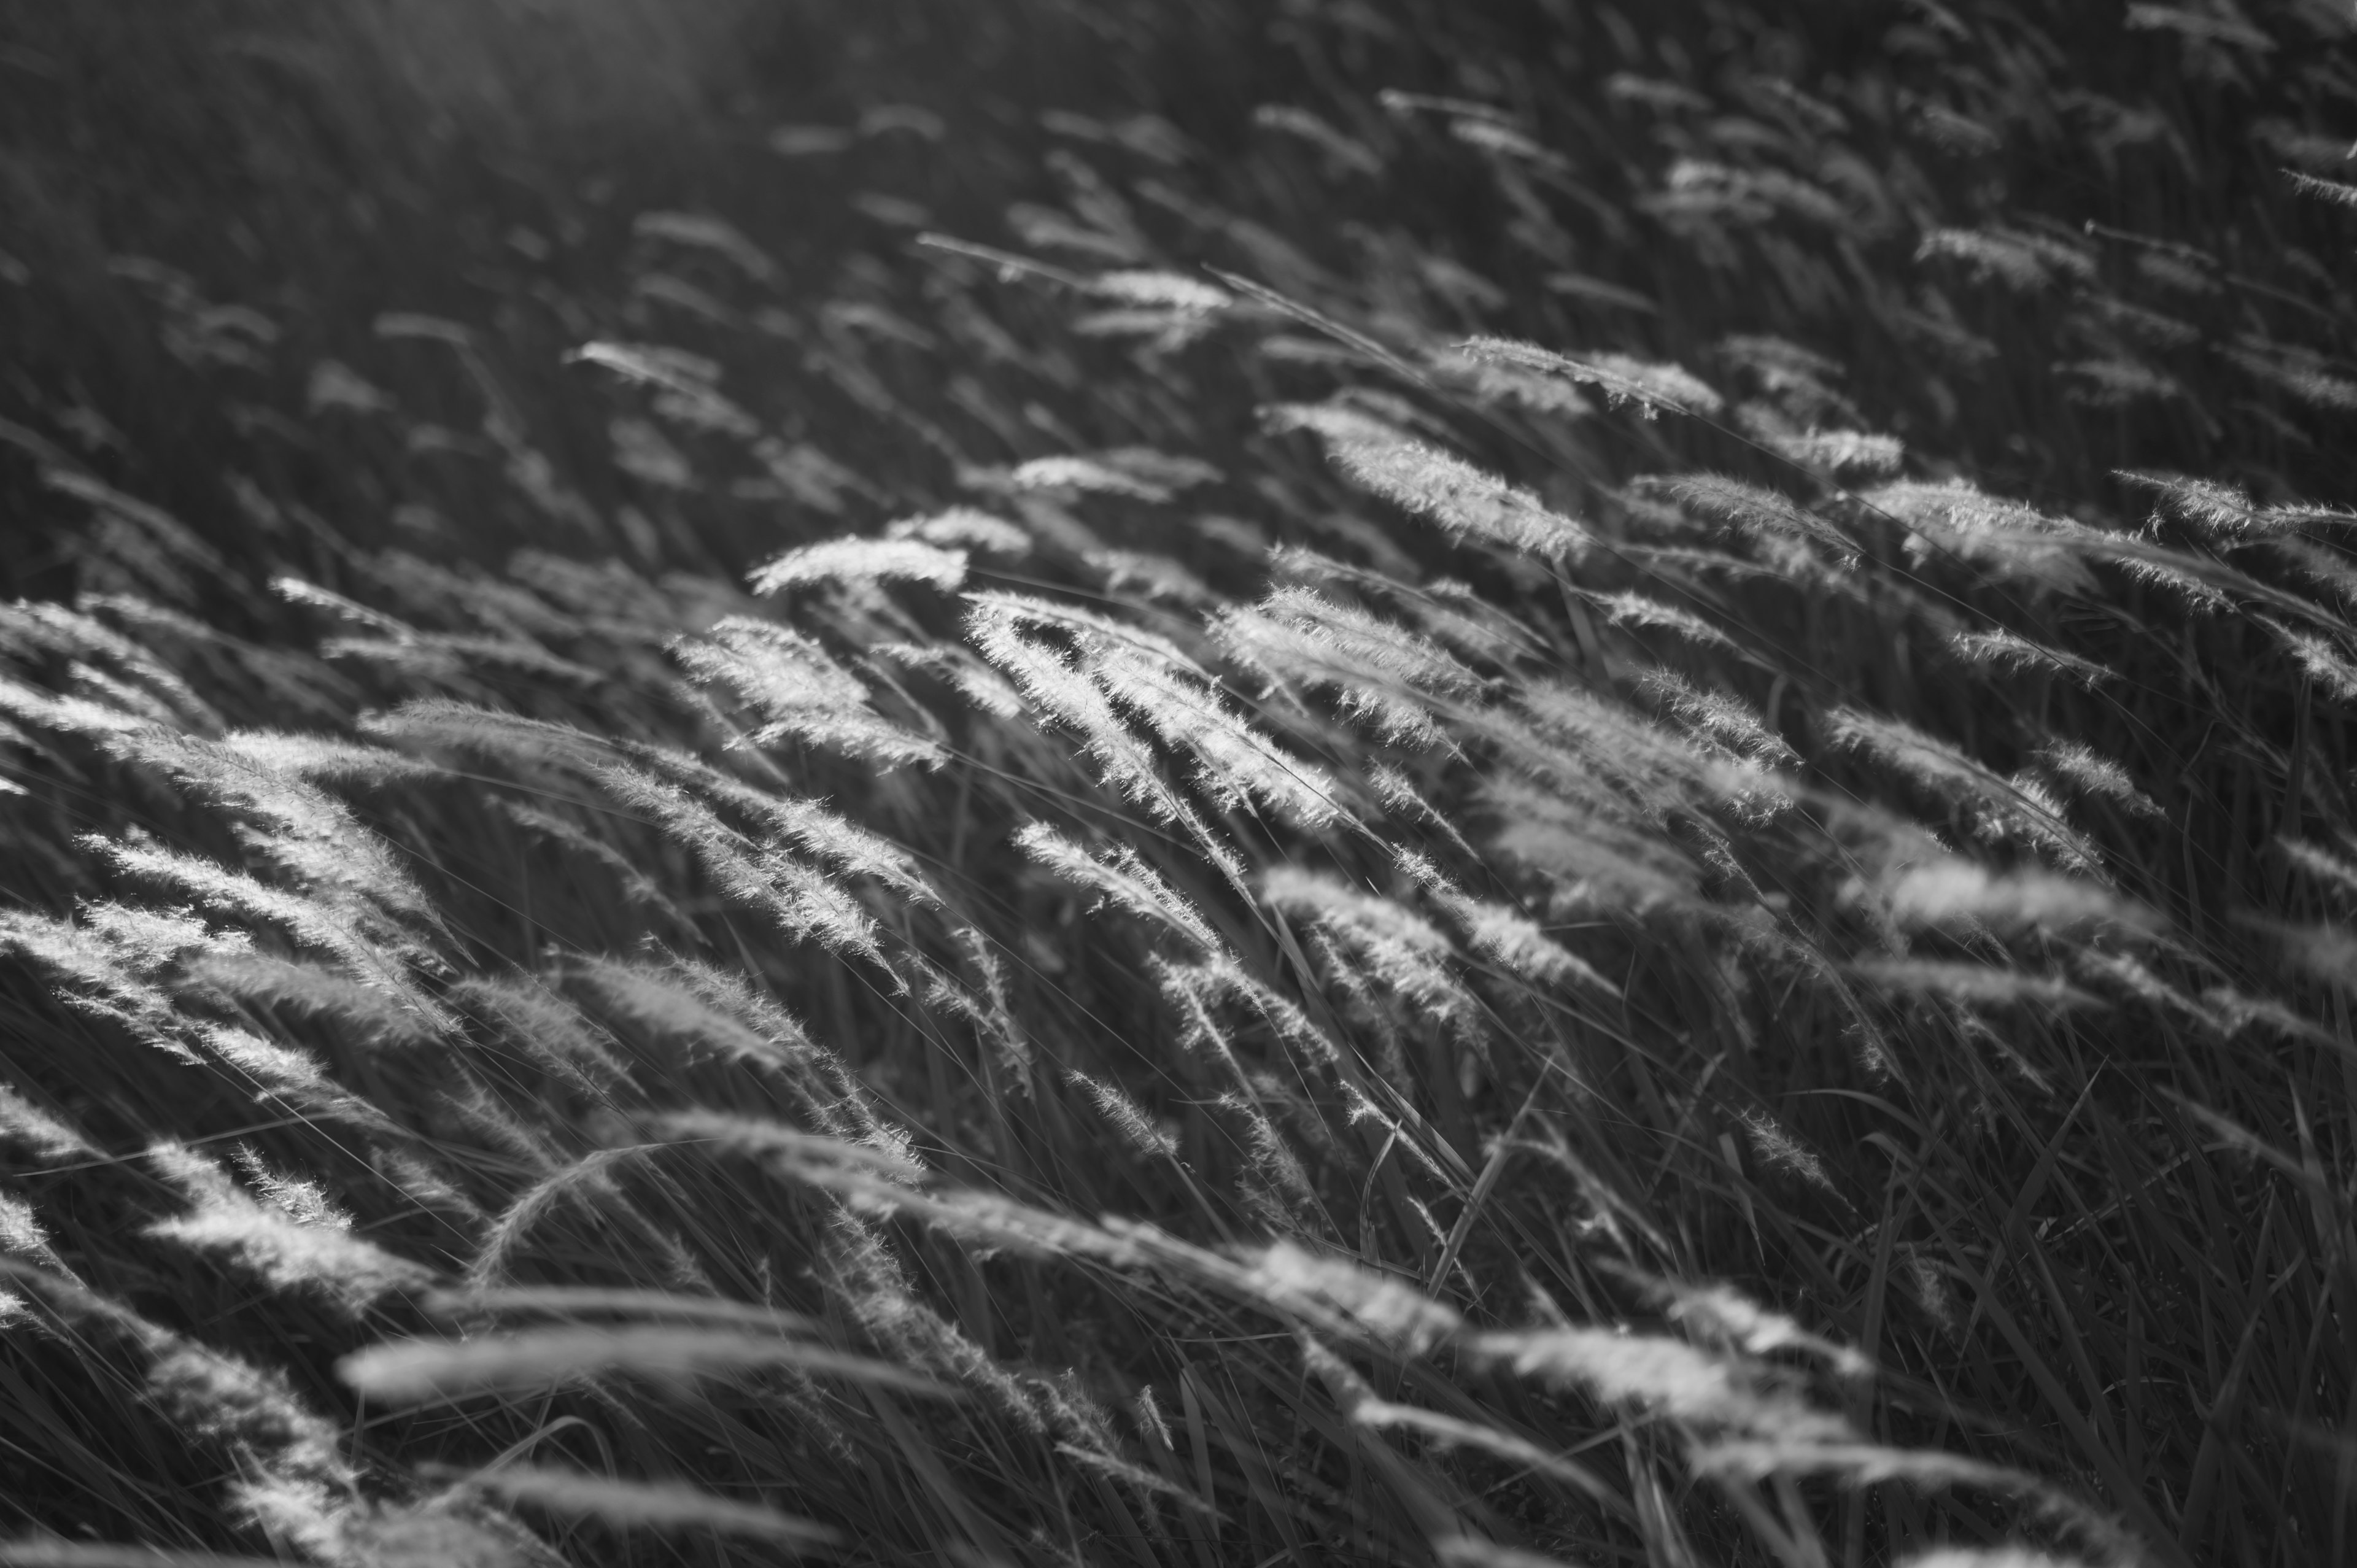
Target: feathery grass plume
column 702, row 1013
column 1950, row 894
column 292, row 1237
column 1632, row 609
column 1758, row 513
column 2000, row 808
column 2319, row 864
column 25, row 1125
column 687, row 386
column 1778, row 1150
column 1727, row 1319
column 1194, row 992
column 1501, row 934
column 1124, row 880
column 1464, row 501
column 2084, row 771
column 1400, row 948
column 861, row 1271
column 2217, row 511
column 1857, row 1463
column 439, row 1528
column 215, row 887
column 310, row 596
column 1126, row 1117
column 2125, row 978
column 1405, row 803
column 1048, row 679
column 1521, row 945
column 1145, row 1482
column 1083, row 625
column 1336, row 423
column 292, row 680
column 1718, row 719
column 986, row 1221
column 451, row 659
column 1979, row 984
column 321, row 758
column 21, row 1237
column 66, row 714
column 1196, row 989
column 1843, row 453
column 498, row 606
column 300, row 829
column 548, row 1029
column 1999, row 649
column 32, row 633
column 443, row 1372
column 974, row 680
column 800, row 693
column 1172, row 471
column 374, row 1014
column 1665, row 1378
column 2294, row 370
column 1618, row 763
column 702, row 232
column 2328, row 666
column 1235, row 765
column 1383, row 673
column 1170, row 692
column 292, row 1078
column 2004, row 537
column 1332, row 1294
column 806, row 824
column 247, row 1419
column 648, row 1505
column 1160, row 579
column 963, row 528
column 1592, row 857
column 1652, row 387
column 2025, row 263
column 861, row 563
column 651, row 364
column 532, row 744
column 1450, row 613
column 1490, row 381
column 1344, row 152
column 2332, row 190
column 809, row 1156
column 1167, row 290
column 2185, row 575
column 2325, row 952
column 1086, row 475
column 806, row 903
column 2328, row 569
column 112, row 963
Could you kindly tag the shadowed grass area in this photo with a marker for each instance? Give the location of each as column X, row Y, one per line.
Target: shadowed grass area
column 1120, row 783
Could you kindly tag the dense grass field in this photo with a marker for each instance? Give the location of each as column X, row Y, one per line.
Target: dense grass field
column 1094, row 781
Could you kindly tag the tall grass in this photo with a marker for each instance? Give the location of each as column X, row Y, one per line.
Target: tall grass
column 1101, row 782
